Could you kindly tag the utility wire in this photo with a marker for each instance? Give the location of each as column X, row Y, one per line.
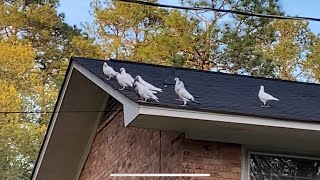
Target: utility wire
column 220, row 10
column 47, row 112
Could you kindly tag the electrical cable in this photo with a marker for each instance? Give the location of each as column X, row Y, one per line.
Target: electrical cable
column 220, row 10
column 47, row 112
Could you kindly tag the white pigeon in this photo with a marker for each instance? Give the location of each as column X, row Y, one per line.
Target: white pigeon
column 144, row 92
column 147, row 85
column 123, row 81
column 136, row 89
column 177, row 86
column 128, row 76
column 265, row 97
column 108, row 71
column 183, row 94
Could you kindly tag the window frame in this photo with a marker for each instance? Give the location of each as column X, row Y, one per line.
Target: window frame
column 246, row 154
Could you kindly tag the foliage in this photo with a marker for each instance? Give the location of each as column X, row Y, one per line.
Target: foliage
column 287, row 53
column 311, row 66
column 200, row 39
column 121, row 33
column 35, row 45
column 20, row 137
column 208, row 40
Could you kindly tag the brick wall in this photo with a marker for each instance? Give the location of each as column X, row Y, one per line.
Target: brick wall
column 117, row 149
column 221, row 160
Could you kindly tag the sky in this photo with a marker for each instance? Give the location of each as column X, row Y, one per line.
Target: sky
column 78, row 11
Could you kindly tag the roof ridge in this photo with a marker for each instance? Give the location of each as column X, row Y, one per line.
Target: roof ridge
column 198, row 70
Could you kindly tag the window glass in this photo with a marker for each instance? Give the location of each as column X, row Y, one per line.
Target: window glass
column 272, row 167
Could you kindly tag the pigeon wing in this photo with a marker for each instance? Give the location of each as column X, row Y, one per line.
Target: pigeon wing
column 149, row 86
column 145, row 93
column 121, row 81
column 267, row 96
column 150, row 94
column 129, row 77
column 127, row 81
column 185, row 94
column 111, row 71
column 177, row 87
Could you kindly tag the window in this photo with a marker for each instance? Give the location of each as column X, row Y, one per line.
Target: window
column 277, row 167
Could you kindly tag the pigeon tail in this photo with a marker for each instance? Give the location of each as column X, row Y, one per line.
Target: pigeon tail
column 158, row 89
column 195, row 101
column 275, row 99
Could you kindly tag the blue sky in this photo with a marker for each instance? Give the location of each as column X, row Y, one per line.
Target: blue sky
column 77, row 11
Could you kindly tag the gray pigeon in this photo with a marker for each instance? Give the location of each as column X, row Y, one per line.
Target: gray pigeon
column 108, row 71
column 144, row 92
column 128, row 76
column 265, row 97
column 147, row 85
column 123, row 81
column 183, row 94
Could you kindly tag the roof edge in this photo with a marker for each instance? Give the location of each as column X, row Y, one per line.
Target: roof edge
column 197, row 70
column 227, row 118
column 46, row 139
column 130, row 107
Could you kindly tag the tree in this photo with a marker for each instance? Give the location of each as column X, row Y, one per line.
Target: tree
column 287, row 53
column 35, row 45
column 234, row 38
column 311, row 67
column 20, row 137
column 198, row 39
column 173, row 43
column 120, row 34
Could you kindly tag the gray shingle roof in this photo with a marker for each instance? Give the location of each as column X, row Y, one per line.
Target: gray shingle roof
column 219, row 92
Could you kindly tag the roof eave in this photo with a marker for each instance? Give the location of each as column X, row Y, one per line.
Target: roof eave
column 228, row 118
column 263, row 132
column 193, row 123
column 130, row 108
column 255, row 132
column 72, row 128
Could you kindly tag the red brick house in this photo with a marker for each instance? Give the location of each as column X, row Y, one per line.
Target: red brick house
column 98, row 130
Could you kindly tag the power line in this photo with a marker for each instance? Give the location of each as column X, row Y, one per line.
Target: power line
column 220, row 10
column 48, row 112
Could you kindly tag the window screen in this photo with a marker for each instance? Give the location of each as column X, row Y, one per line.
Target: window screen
column 273, row 167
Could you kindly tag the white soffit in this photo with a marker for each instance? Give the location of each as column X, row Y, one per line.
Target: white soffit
column 51, row 127
column 130, row 108
column 70, row 134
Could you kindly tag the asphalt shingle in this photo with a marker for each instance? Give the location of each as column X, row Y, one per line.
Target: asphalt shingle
column 219, row 92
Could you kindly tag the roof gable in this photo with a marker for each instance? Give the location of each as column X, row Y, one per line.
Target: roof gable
column 219, row 92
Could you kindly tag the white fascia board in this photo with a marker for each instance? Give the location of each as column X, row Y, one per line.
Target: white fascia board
column 228, row 118
column 52, row 123
column 130, row 108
